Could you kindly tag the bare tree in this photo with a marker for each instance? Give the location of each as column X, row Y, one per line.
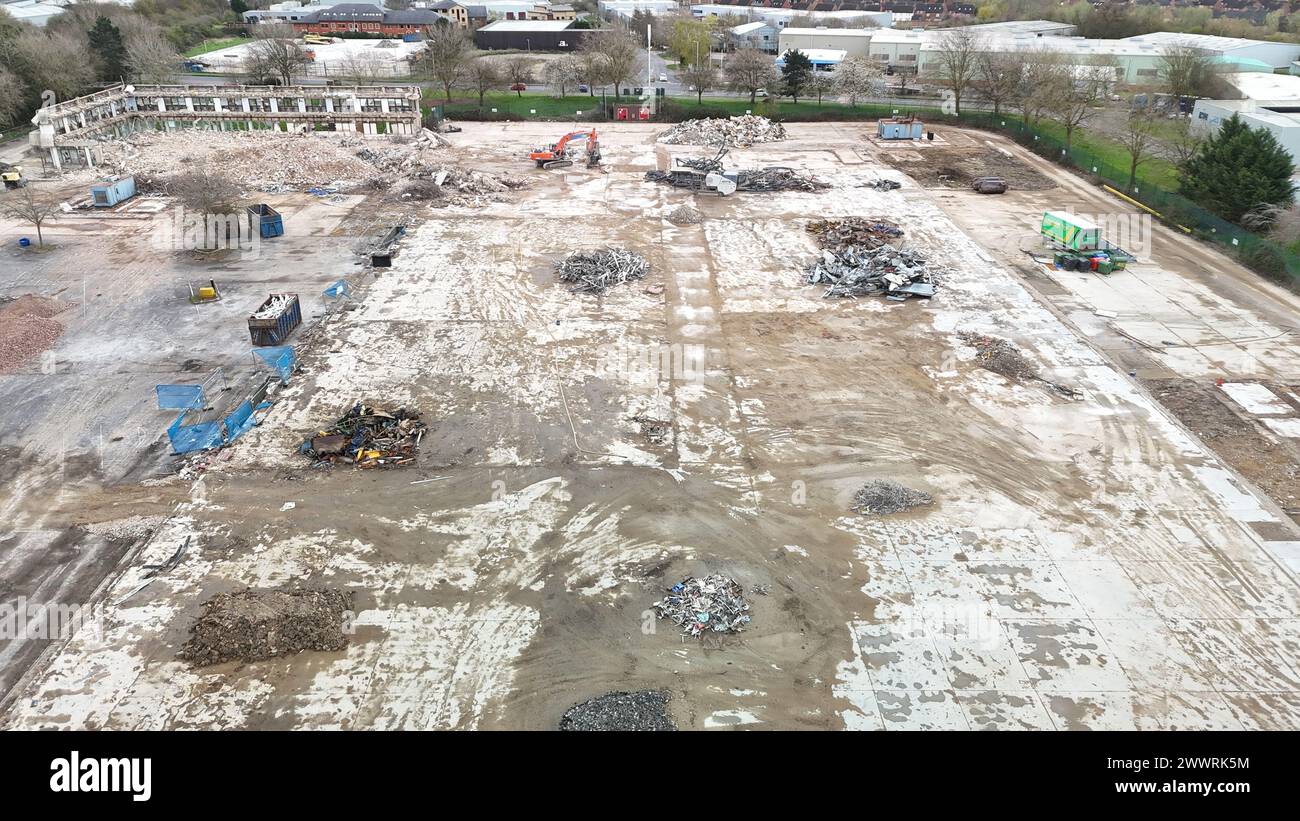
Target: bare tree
column 29, row 205
column 12, row 96
column 998, row 78
column 363, row 66
column 562, row 73
column 748, row 70
column 702, row 77
column 274, row 54
column 1077, row 93
column 1184, row 144
column 483, row 75
column 589, row 71
column 519, row 72
column 1185, row 71
column 53, row 62
column 446, row 57
column 204, row 191
column 1041, row 83
column 151, row 56
column 855, row 78
column 618, row 54
column 957, row 63
column 1139, row 141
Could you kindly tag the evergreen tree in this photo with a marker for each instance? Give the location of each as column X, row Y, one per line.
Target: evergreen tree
column 796, row 73
column 106, row 43
column 1238, row 170
column 238, row 7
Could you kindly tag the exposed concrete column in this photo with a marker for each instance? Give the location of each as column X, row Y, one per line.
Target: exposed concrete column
column 302, row 105
column 275, row 105
column 189, row 103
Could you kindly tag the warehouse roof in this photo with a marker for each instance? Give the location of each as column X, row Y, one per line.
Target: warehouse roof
column 528, row 25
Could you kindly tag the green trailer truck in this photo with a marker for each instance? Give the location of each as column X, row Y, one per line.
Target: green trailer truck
column 1078, row 244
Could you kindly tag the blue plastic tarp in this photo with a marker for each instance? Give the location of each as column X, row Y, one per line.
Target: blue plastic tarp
column 337, row 290
column 180, row 397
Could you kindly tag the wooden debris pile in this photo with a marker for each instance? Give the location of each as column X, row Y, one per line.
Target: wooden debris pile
column 593, row 271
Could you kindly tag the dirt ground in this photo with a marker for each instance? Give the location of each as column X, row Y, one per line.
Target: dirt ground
column 955, row 158
column 1085, row 564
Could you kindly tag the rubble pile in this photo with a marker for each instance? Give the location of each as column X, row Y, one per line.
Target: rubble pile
column 854, row 231
column 743, row 130
column 1003, row 358
column 777, row 179
column 884, row 185
column 655, row 431
column 685, row 215
column 368, row 437
column 640, row 711
column 252, row 159
column 449, row 185
column 855, row 271
column 28, row 328
column 714, row 603
column 127, row 529
column 884, row 496
column 594, row 271
column 251, row 625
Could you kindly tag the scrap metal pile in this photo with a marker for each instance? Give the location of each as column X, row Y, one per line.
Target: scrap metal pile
column 854, row 271
column 714, row 603
column 854, row 231
column 368, row 437
column 884, row 496
column 743, row 130
column 594, row 271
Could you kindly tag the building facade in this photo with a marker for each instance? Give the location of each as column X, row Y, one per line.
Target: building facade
column 363, row 19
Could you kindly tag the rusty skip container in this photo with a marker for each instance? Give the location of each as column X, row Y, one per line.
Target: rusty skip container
column 275, row 319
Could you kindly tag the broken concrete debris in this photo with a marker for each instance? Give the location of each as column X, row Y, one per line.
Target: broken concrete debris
column 250, row 625
column 854, row 271
column 884, row 496
column 448, row 185
column 884, row 185
column 685, row 215
column 714, row 603
column 1001, row 357
column 127, row 529
column 775, row 178
column 742, row 130
column 28, row 328
column 656, row 431
column 859, row 231
column 368, row 437
column 594, row 271
column 639, row 711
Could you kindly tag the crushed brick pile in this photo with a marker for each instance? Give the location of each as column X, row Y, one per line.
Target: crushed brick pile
column 28, row 328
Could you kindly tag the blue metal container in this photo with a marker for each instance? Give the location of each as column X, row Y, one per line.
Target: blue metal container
column 274, row 330
column 108, row 194
column 266, row 219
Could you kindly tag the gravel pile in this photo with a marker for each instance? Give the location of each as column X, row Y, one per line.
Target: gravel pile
column 28, row 329
column 594, row 271
column 744, row 130
column 640, row 711
column 685, row 215
column 250, row 625
column 884, row 496
column 125, row 530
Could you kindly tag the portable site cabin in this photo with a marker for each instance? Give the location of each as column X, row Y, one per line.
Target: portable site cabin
column 108, row 194
column 1071, row 231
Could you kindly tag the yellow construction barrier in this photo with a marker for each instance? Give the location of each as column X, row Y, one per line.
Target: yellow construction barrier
column 1148, row 209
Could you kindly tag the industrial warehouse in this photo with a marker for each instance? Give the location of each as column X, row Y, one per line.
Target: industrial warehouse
column 526, row 402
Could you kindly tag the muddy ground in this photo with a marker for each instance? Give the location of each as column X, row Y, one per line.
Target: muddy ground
column 955, row 158
column 1086, row 564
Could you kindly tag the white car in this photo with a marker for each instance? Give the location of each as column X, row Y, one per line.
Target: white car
column 663, row 78
column 762, row 92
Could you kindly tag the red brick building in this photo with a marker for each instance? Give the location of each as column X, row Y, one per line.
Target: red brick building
column 361, row 18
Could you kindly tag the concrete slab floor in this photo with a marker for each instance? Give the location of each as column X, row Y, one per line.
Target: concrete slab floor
column 1087, row 564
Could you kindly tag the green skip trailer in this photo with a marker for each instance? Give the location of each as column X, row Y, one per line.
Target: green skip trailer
column 1078, row 244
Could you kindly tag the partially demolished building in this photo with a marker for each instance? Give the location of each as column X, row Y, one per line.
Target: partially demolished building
column 69, row 131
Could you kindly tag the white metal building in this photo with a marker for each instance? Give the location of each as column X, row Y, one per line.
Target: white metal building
column 1269, row 101
column 757, row 35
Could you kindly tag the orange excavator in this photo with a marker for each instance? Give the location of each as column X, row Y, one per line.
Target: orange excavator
column 560, row 155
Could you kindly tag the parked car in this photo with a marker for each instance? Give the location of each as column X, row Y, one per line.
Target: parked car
column 663, row 78
column 583, row 89
column 762, row 92
column 518, row 87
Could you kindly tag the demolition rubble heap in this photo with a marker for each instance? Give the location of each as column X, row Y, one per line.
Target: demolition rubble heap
column 854, row 271
column 594, row 271
column 854, row 231
column 448, row 185
column 712, row 604
column 740, row 131
column 1004, row 359
column 28, row 328
column 368, row 437
column 251, row 625
column 641, row 711
column 776, row 178
column 883, row 496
